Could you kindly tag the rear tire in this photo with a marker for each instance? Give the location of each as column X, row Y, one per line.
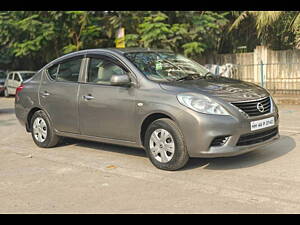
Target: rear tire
column 165, row 145
column 42, row 131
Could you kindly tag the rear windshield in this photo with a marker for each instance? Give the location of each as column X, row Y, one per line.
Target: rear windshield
column 26, row 76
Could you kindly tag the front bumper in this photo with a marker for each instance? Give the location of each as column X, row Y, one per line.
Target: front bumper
column 199, row 131
column 227, row 150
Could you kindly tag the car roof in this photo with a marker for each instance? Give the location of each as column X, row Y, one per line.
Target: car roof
column 120, row 51
column 115, row 50
column 129, row 50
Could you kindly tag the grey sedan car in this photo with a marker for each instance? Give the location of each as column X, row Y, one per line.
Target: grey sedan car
column 163, row 102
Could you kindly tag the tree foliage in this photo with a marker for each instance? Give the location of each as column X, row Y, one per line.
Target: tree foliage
column 277, row 29
column 30, row 39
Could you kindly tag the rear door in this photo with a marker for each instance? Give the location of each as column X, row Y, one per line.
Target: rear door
column 16, row 82
column 58, row 94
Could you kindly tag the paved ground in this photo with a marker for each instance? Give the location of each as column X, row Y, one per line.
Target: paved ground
column 89, row 177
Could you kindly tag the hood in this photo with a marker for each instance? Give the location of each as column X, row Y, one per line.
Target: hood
column 230, row 90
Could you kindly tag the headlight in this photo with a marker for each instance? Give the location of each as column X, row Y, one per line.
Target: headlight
column 201, row 104
column 273, row 104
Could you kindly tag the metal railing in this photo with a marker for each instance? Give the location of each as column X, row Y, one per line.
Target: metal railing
column 278, row 78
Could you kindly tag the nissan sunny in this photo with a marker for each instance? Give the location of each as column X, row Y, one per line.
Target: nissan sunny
column 158, row 100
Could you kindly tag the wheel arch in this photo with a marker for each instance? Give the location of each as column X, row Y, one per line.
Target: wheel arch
column 148, row 120
column 29, row 116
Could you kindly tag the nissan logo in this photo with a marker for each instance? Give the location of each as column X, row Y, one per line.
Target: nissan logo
column 260, row 107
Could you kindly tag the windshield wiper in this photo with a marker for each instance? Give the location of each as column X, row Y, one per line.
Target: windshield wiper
column 191, row 76
column 188, row 77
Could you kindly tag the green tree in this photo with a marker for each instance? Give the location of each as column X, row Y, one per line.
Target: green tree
column 30, row 39
column 191, row 33
column 276, row 29
column 23, row 34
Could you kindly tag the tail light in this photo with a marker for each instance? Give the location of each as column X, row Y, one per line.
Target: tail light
column 18, row 90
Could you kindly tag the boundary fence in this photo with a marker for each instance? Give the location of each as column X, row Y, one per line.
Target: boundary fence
column 277, row 71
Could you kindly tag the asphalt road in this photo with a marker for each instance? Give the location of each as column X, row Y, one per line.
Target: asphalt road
column 89, row 177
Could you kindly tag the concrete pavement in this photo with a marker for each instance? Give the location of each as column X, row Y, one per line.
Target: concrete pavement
column 89, row 177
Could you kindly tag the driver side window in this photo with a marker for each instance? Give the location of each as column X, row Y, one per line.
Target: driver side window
column 101, row 70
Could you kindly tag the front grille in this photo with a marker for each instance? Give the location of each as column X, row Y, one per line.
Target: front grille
column 254, row 138
column 251, row 107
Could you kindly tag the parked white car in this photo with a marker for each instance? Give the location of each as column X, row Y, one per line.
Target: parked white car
column 15, row 79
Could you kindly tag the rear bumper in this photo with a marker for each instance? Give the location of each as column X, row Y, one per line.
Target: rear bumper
column 21, row 114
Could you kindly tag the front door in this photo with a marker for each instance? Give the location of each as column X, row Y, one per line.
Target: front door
column 58, row 94
column 104, row 110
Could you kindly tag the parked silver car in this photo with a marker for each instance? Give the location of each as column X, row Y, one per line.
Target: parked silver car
column 157, row 100
column 15, row 79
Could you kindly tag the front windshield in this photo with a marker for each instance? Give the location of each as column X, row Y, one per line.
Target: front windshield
column 2, row 75
column 26, row 76
column 165, row 66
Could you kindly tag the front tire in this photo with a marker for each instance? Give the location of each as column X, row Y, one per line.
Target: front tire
column 42, row 131
column 165, row 145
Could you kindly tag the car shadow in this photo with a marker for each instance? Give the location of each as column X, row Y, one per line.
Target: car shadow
column 104, row 147
column 267, row 153
column 7, row 111
column 9, row 97
column 261, row 155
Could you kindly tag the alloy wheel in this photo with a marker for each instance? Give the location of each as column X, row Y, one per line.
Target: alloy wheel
column 40, row 129
column 162, row 145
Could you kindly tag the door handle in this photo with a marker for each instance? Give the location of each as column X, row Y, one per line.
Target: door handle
column 88, row 97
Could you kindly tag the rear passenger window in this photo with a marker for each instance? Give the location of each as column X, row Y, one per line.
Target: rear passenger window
column 17, row 78
column 69, row 71
column 66, row 71
column 52, row 71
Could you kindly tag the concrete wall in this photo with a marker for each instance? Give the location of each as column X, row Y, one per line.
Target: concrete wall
column 278, row 71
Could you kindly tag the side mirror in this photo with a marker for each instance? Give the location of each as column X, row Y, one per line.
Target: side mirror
column 120, row 80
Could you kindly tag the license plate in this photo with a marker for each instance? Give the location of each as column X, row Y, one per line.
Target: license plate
column 260, row 124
